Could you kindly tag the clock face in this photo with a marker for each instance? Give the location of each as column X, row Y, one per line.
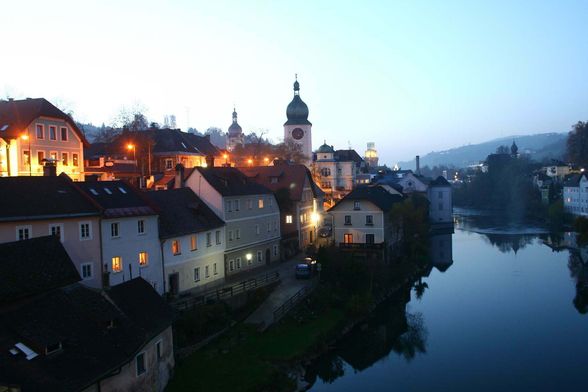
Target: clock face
column 297, row 133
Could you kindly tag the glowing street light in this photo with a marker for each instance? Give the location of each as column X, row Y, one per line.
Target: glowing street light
column 250, row 161
column 130, row 147
column 266, row 160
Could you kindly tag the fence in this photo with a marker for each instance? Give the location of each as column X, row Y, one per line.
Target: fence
column 222, row 293
column 292, row 301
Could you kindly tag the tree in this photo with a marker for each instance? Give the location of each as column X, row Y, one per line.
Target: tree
column 217, row 137
column 291, row 151
column 577, row 144
column 503, row 150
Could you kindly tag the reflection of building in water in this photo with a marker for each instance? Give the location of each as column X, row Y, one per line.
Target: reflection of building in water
column 441, row 251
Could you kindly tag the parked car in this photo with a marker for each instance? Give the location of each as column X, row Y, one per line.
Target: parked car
column 303, row 271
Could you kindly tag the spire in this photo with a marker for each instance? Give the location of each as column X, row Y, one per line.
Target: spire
column 234, row 115
column 296, row 85
column 514, row 149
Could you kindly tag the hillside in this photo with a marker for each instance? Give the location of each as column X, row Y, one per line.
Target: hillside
column 538, row 147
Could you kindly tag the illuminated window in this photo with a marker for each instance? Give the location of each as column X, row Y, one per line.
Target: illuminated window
column 117, row 264
column 260, row 203
column 40, row 131
column 143, row 259
column 176, row 247
column 74, row 158
column 52, row 132
column 169, row 164
column 53, row 155
column 26, row 157
column 348, row 238
column 194, row 242
column 64, row 158
column 288, row 218
column 40, row 157
column 64, row 134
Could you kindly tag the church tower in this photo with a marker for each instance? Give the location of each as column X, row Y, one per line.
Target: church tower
column 298, row 128
column 235, row 135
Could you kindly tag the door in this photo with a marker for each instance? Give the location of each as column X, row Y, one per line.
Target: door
column 174, row 283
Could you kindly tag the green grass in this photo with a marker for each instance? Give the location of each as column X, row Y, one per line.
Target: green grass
column 245, row 360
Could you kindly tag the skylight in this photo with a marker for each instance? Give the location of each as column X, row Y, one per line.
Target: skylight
column 108, row 191
column 93, row 191
column 26, row 351
column 122, row 190
column 4, row 127
column 184, row 145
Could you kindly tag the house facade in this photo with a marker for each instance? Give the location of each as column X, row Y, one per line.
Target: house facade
column 192, row 241
column 33, row 131
column 39, row 206
column 362, row 220
column 128, row 232
column 440, row 199
column 575, row 195
column 300, row 201
column 250, row 212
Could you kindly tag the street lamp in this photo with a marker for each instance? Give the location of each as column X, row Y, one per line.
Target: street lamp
column 226, row 156
column 25, row 136
column 250, row 161
column 266, row 160
column 132, row 147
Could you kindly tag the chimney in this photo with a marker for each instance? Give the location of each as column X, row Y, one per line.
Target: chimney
column 418, row 165
column 179, row 180
column 49, row 168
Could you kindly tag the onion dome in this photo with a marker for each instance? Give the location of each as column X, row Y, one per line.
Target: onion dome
column 235, row 129
column 297, row 111
column 325, row 149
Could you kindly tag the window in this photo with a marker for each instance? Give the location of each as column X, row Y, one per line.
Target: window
column 64, row 158
column 275, row 250
column 176, row 250
column 206, row 272
column 86, row 271
column 64, row 134
column 231, row 265
column 26, row 157
column 260, row 203
column 40, row 131
column 259, row 256
column 40, row 157
column 249, row 204
column 273, row 180
column 117, row 264
column 325, row 172
column 348, row 238
column 369, row 238
column 196, row 274
column 114, row 230
column 217, row 236
column 238, row 233
column 53, row 155
column 229, row 206
column 23, row 232
column 237, row 205
column 230, row 235
column 74, row 159
column 140, row 226
column 194, row 242
column 52, row 132
column 85, row 231
column 356, row 205
column 143, row 259
column 369, row 220
column 440, row 194
column 158, row 350
column 214, row 270
column 257, row 229
column 169, row 163
column 348, row 220
column 288, row 218
column 269, row 227
column 140, row 362
column 238, row 262
column 208, row 239
column 56, row 229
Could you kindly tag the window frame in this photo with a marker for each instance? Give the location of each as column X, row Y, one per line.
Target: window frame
column 120, row 264
column 53, row 137
column 196, row 274
column 82, row 267
column 176, row 247
column 146, row 257
column 114, row 230
column 61, row 230
column 29, row 232
column 139, row 371
column 42, row 127
column 141, row 227
column 81, row 232
column 61, row 134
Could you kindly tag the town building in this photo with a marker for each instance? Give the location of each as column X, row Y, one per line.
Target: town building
column 575, row 194
column 58, row 335
column 128, row 232
column 39, row 206
column 336, row 171
column 34, row 130
column 235, row 136
column 250, row 211
column 558, row 170
column 362, row 220
column 297, row 128
column 300, row 201
column 192, row 241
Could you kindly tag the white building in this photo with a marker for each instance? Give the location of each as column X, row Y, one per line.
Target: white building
column 192, row 241
column 129, row 233
column 250, row 211
column 440, row 201
column 575, row 195
column 297, row 128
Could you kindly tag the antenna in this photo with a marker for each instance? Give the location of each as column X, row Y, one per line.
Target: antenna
column 348, row 144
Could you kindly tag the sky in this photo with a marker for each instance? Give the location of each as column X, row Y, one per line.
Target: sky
column 411, row 76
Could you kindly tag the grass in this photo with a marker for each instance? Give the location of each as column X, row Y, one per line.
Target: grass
column 246, row 360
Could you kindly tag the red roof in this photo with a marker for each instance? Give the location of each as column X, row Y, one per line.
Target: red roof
column 280, row 177
column 17, row 115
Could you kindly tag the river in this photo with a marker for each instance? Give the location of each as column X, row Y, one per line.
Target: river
column 498, row 310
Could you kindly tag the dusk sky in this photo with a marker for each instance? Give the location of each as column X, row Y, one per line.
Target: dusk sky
column 412, row 76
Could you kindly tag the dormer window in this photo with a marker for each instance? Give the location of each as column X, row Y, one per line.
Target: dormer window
column 273, row 180
column 356, row 205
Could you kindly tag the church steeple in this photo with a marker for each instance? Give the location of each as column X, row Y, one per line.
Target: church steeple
column 297, row 111
column 514, row 149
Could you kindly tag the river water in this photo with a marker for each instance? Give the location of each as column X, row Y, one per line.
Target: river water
column 498, row 310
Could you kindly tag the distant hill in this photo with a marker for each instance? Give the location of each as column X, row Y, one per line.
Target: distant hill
column 538, row 147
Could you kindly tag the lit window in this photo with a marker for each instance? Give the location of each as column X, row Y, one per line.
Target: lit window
column 260, row 203
column 64, row 134
column 288, row 218
column 26, row 157
column 74, row 159
column 169, row 164
column 141, row 226
column 64, row 158
column 86, row 271
column 23, row 233
column 348, row 238
column 40, row 131
column 53, row 155
column 218, row 237
column 196, row 274
column 194, row 242
column 114, row 230
column 85, row 231
column 143, row 259
column 52, row 132
column 176, row 247
column 140, row 362
column 40, row 157
column 117, row 264
column 209, row 239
